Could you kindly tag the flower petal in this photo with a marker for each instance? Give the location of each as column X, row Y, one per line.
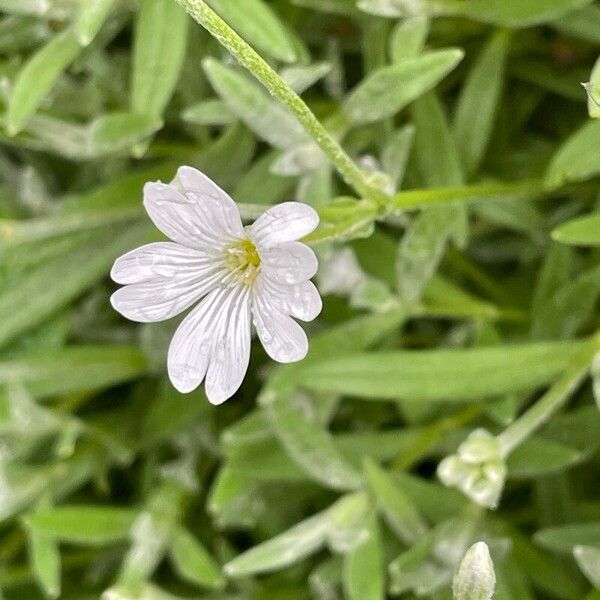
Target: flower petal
column 161, row 259
column 284, row 222
column 201, row 189
column 216, row 331
column 164, row 297
column 231, row 350
column 283, row 339
column 302, row 301
column 196, row 222
column 289, row 263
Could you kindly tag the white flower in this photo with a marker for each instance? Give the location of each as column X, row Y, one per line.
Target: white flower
column 258, row 274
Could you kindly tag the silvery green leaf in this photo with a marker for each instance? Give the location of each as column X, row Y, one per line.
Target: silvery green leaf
column 247, row 100
column 564, row 538
column 208, row 112
column 392, row 8
column 299, row 160
column 465, row 374
column 20, row 33
column 45, row 560
column 302, row 540
column 308, row 443
column 479, row 100
column 593, row 91
column 38, row 76
column 105, row 135
column 582, row 231
column 91, row 17
column 420, row 251
column 389, row 89
column 260, row 25
column 158, row 54
column 408, row 38
column 577, row 159
column 193, row 561
column 363, row 577
column 93, row 525
column 475, row 578
column 301, row 77
column 397, row 509
column 395, row 155
column 513, row 13
column 588, row 559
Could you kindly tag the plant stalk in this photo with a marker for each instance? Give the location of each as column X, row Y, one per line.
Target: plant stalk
column 251, row 60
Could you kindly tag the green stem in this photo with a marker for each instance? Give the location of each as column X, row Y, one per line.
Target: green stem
column 546, row 406
column 412, row 199
column 278, row 88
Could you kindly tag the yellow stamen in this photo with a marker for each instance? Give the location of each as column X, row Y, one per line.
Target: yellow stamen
column 244, row 261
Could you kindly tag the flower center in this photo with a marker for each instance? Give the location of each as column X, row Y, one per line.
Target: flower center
column 243, row 260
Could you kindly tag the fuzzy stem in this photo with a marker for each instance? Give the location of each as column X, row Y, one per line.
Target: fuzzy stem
column 278, row 88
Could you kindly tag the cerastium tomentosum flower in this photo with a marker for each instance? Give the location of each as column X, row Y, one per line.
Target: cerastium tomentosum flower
column 243, row 275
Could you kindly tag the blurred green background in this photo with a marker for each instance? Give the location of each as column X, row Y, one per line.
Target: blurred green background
column 461, row 296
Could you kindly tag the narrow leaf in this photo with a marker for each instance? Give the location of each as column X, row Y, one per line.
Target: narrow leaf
column 37, row 78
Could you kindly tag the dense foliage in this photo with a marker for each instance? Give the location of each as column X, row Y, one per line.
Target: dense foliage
column 448, row 396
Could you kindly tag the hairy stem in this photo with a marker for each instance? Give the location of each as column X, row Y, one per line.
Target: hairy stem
column 278, row 88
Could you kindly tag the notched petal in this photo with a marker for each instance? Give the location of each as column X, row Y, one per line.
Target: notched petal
column 284, row 222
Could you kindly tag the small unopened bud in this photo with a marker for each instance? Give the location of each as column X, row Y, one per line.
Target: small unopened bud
column 475, row 578
column 477, row 469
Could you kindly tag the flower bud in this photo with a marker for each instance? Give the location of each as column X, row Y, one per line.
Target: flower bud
column 475, row 578
column 477, row 469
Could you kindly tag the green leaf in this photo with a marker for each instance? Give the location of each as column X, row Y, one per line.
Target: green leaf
column 389, row 89
column 208, row 112
column 246, row 99
column 256, row 21
column 593, row 91
column 37, row 78
column 76, row 368
column 565, row 310
column 363, row 567
column 44, row 557
column 513, row 13
column 158, row 54
column 295, row 544
column 35, row 296
column 565, row 537
column 421, row 250
column 301, row 77
column 408, row 38
column 193, row 562
column 395, row 155
column 461, row 375
column 478, row 101
column 577, row 159
column 106, row 135
column 398, row 510
column 89, row 525
column 90, row 19
column 310, row 446
column 583, row 24
column 20, row 33
column 438, row 160
column 588, row 559
column 583, row 231
column 537, row 457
